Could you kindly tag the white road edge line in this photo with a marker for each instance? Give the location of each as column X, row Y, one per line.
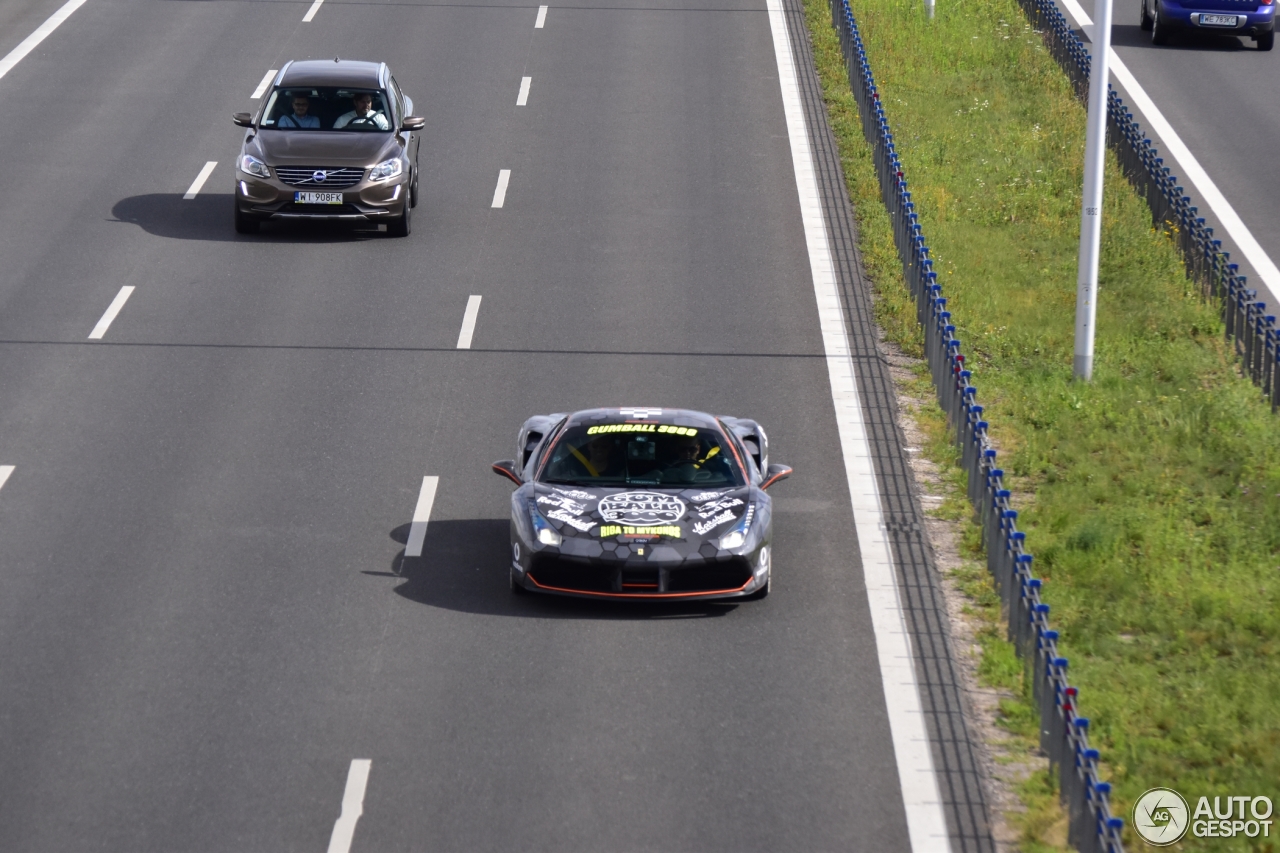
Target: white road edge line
column 5, row 471
column 266, row 81
column 344, row 828
column 1191, row 168
column 311, row 13
column 926, row 823
column 542, row 18
column 523, row 98
column 42, row 32
column 500, row 191
column 421, row 515
column 200, row 179
column 112, row 310
column 469, row 322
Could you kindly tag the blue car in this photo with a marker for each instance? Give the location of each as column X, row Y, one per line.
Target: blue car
column 1253, row 18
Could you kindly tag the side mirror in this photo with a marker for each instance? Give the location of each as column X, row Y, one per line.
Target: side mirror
column 774, row 474
column 507, row 468
column 413, row 123
column 242, row 119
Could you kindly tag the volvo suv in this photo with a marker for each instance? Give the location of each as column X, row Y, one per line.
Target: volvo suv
column 334, row 140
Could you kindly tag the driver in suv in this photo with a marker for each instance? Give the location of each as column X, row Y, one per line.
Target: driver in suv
column 363, row 114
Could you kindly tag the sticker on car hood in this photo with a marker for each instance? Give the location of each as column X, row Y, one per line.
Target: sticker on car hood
column 641, row 509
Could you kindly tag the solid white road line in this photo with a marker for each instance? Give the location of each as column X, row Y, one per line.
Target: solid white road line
column 926, row 824
column 421, row 515
column 523, row 97
column 542, row 18
column 469, row 322
column 1191, row 168
column 29, row 43
column 5, row 471
column 200, row 179
column 266, row 81
column 500, row 191
column 344, row 828
column 112, row 310
column 311, row 13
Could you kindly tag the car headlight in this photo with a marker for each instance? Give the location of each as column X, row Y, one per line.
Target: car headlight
column 386, row 169
column 737, row 536
column 542, row 529
column 254, row 166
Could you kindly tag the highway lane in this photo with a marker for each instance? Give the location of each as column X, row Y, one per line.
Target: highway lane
column 202, row 602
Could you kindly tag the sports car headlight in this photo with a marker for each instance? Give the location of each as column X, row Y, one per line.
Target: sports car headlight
column 254, row 166
column 542, row 529
column 386, row 169
column 737, row 536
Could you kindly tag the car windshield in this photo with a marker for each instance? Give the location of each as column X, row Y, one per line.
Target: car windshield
column 643, row 454
column 326, row 108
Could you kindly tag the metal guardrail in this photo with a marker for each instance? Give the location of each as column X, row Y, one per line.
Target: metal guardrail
column 1248, row 325
column 1064, row 734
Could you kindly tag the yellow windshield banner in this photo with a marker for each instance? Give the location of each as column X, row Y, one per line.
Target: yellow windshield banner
column 660, row 429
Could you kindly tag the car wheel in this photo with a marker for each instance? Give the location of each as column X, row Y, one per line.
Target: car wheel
column 516, row 588
column 402, row 225
column 413, row 190
column 1266, row 41
column 1144, row 20
column 245, row 224
column 1159, row 32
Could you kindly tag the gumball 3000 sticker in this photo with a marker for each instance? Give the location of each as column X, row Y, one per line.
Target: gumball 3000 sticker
column 641, row 509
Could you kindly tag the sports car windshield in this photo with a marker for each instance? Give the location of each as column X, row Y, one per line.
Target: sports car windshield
column 642, row 454
column 326, row 108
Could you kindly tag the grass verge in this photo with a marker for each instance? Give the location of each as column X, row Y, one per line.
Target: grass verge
column 1151, row 496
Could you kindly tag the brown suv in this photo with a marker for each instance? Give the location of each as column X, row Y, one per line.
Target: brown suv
column 334, row 140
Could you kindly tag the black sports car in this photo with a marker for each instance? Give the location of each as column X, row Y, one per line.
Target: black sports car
column 642, row 504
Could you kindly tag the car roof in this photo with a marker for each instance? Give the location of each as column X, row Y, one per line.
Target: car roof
column 332, row 72
column 640, row 414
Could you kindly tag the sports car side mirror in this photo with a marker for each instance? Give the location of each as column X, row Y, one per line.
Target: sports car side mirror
column 774, row 474
column 507, row 468
column 242, row 119
column 413, row 123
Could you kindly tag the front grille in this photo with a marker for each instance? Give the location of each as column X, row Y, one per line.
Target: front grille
column 320, row 209
column 730, row 574
column 308, row 176
column 554, row 571
column 568, row 574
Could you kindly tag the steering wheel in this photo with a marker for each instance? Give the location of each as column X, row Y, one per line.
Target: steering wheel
column 363, row 120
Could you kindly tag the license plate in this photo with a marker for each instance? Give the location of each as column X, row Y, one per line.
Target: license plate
column 1218, row 20
column 317, row 198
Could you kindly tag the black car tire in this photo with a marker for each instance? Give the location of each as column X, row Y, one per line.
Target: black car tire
column 516, row 588
column 1159, row 32
column 245, row 224
column 403, row 224
column 1266, row 41
column 1144, row 20
column 413, row 190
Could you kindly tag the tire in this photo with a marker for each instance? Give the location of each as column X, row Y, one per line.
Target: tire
column 1159, row 32
column 404, row 223
column 1266, row 41
column 516, row 588
column 1144, row 20
column 245, row 224
column 413, row 190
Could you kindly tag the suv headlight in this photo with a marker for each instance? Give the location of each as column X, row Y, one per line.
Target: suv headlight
column 254, row 166
column 542, row 529
column 386, row 169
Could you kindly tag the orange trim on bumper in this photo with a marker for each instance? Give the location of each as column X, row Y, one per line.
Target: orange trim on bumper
column 659, row 595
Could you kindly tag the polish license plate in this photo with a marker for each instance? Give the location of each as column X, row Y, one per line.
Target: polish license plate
column 1218, row 20
column 317, row 198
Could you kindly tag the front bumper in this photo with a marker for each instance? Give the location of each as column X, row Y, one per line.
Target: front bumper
column 271, row 198
column 1250, row 21
column 550, row 572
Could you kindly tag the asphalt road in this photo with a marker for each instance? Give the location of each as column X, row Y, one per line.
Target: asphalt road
column 205, row 614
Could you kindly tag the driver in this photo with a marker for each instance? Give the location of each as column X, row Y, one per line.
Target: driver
column 363, row 114
column 299, row 118
column 686, row 459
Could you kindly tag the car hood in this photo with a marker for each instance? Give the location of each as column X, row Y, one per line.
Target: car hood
column 321, row 148
column 676, row 521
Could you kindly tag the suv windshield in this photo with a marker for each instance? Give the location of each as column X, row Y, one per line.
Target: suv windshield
column 646, row 454
column 326, row 108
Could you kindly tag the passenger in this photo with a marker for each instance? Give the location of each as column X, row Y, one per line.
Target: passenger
column 602, row 458
column 299, row 118
column 363, row 114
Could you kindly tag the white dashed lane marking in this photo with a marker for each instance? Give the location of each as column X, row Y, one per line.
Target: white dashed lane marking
column 469, row 322
column 29, row 43
column 112, row 310
column 500, row 191
column 311, row 13
column 344, row 828
column 542, row 18
column 5, row 471
column 421, row 515
column 266, row 81
column 200, row 179
column 523, row 97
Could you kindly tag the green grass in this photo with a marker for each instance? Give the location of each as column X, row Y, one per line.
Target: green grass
column 1151, row 496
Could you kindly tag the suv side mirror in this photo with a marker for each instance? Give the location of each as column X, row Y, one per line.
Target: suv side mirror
column 242, row 119
column 774, row 474
column 507, row 468
column 413, row 123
